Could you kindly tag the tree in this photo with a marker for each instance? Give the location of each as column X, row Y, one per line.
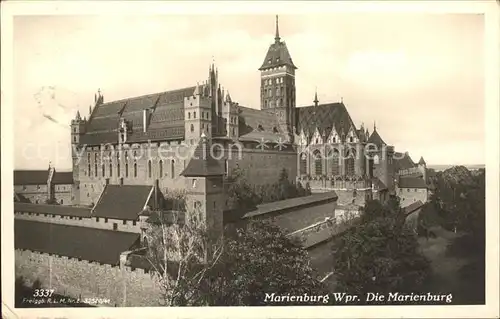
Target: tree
column 181, row 252
column 380, row 254
column 260, row 258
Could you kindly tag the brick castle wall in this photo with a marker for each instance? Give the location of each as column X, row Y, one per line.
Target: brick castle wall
column 82, row 279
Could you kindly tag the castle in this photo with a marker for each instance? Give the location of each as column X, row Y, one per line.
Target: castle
column 131, row 154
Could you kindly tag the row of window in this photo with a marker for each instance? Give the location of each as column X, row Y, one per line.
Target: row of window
column 204, row 115
column 118, row 169
column 334, row 167
column 277, row 80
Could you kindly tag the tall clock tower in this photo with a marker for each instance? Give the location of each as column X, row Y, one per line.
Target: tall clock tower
column 277, row 84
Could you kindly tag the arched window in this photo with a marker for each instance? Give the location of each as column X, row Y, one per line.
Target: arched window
column 135, row 169
column 265, row 103
column 334, row 157
column 194, row 115
column 95, row 169
column 103, row 167
column 118, row 169
column 303, row 164
column 62, row 202
column 318, row 163
column 90, row 173
column 376, row 159
column 160, row 167
column 172, row 169
column 189, row 115
column 192, row 128
column 349, row 162
column 149, row 169
column 226, row 167
column 126, row 169
column 110, row 169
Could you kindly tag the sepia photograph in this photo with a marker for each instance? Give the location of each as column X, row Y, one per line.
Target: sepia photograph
column 282, row 158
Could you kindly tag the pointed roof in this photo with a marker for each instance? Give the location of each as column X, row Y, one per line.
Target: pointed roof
column 277, row 54
column 421, row 161
column 324, row 117
column 376, row 139
column 202, row 163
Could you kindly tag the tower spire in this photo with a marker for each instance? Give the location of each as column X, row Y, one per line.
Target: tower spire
column 374, row 126
column 277, row 36
column 316, row 97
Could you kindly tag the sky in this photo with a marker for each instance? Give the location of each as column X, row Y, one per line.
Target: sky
column 419, row 76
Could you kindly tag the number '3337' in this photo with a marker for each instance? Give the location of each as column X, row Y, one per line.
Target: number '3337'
column 43, row 292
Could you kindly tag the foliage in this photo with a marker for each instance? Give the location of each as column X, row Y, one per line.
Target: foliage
column 380, row 254
column 181, row 252
column 243, row 195
column 252, row 261
column 258, row 259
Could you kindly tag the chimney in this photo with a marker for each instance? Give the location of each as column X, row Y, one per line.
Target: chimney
column 144, row 119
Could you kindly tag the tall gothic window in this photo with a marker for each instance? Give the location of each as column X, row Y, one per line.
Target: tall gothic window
column 160, row 166
column 118, row 169
column 303, row 163
column 149, row 169
column 110, row 169
column 126, row 169
column 103, row 167
column 172, row 169
column 192, row 128
column 334, row 160
column 95, row 165
column 349, row 163
column 318, row 163
column 135, row 169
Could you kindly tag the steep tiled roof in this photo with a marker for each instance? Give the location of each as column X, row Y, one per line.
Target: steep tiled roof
column 256, row 120
column 165, row 118
column 412, row 182
column 402, row 161
column 52, row 209
column 376, row 139
column 30, row 177
column 324, row 117
column 104, row 246
column 123, row 202
column 202, row 163
column 421, row 161
column 62, row 178
column 277, row 55
column 291, row 203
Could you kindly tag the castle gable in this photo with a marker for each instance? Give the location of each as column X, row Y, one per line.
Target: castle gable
column 324, row 117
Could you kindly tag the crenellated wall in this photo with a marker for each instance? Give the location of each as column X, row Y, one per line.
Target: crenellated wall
column 70, row 277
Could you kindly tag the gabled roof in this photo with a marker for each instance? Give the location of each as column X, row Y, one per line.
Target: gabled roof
column 277, row 55
column 412, row 182
column 376, row 139
column 91, row 244
column 30, row 177
column 62, row 178
column 421, row 161
column 202, row 163
column 251, row 120
column 52, row 209
column 402, row 161
column 124, row 202
column 324, row 117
